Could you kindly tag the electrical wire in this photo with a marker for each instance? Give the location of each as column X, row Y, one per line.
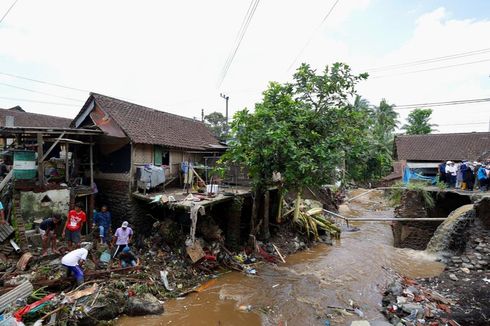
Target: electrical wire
column 250, row 13
column 41, row 102
column 39, row 92
column 313, row 34
column 431, row 69
column 437, row 104
column 44, row 82
column 430, row 60
column 464, row 124
column 8, row 10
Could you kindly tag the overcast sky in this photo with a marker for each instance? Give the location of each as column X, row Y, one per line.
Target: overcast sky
column 169, row 55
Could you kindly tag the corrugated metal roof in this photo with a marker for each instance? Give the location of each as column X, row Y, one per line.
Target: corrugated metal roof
column 5, row 231
column 20, row 292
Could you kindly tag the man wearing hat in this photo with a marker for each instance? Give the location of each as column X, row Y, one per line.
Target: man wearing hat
column 122, row 237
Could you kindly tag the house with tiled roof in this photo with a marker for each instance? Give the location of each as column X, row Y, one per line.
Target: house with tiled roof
column 136, row 136
column 423, row 153
column 17, row 117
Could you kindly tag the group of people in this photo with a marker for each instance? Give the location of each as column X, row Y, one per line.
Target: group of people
column 73, row 261
column 465, row 175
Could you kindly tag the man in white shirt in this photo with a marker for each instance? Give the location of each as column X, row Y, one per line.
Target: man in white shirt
column 73, row 261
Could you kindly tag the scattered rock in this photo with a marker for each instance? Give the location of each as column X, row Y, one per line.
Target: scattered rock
column 146, row 305
column 409, row 307
column 453, row 277
column 465, row 270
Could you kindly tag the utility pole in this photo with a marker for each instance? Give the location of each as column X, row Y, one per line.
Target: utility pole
column 202, row 115
column 226, row 99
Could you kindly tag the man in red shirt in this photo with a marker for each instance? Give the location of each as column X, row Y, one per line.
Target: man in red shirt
column 73, row 226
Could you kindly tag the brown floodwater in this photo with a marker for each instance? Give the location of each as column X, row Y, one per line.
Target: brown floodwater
column 302, row 291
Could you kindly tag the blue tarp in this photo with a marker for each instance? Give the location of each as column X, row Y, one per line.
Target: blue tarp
column 409, row 174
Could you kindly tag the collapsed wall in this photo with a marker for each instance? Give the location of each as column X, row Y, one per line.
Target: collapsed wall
column 414, row 234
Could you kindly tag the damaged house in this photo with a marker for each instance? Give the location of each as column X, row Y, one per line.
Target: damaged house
column 136, row 138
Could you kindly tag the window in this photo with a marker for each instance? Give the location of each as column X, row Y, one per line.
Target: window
column 161, row 156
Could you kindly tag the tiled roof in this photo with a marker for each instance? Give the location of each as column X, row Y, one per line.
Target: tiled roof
column 26, row 119
column 148, row 126
column 443, row 147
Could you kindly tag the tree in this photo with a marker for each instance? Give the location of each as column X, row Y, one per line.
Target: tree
column 301, row 130
column 371, row 159
column 216, row 121
column 418, row 122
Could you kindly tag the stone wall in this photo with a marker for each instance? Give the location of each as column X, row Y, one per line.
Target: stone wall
column 39, row 205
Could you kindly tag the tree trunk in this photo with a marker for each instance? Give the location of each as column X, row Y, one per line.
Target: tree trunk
column 279, row 209
column 265, row 227
column 297, row 203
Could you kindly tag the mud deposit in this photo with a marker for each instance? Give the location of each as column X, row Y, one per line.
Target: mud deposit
column 306, row 290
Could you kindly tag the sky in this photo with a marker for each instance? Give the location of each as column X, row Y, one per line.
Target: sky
column 169, row 55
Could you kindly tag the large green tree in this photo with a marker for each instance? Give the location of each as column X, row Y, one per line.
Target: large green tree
column 418, row 122
column 216, row 121
column 372, row 158
column 301, row 129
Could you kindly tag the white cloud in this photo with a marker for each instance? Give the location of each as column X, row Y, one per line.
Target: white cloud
column 169, row 55
column 436, row 35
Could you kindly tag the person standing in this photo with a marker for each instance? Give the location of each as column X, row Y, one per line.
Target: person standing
column 73, row 226
column 103, row 220
column 47, row 229
column 73, row 262
column 122, row 237
column 483, row 178
column 442, row 172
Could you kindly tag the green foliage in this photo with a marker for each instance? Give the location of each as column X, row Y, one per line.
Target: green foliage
column 300, row 129
column 441, row 185
column 396, row 194
column 418, row 122
column 216, row 122
column 372, row 159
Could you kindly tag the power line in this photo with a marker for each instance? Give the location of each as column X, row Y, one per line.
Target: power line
column 436, row 104
column 313, row 34
column 8, row 10
column 42, row 102
column 430, row 69
column 464, row 124
column 431, row 60
column 39, row 92
column 244, row 27
column 45, row 82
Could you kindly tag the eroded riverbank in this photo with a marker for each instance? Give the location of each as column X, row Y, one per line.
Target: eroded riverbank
column 304, row 290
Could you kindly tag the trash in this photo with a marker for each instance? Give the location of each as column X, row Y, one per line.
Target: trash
column 21, row 312
column 105, row 257
column 15, row 246
column 275, row 286
column 195, row 252
column 359, row 312
column 207, row 285
column 164, row 279
column 71, row 297
column 24, row 261
column 279, row 253
column 22, row 291
column 247, row 308
column 251, row 271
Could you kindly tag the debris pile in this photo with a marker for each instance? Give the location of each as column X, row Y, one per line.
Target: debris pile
column 406, row 302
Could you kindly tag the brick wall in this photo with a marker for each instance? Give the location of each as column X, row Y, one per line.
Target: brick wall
column 116, row 195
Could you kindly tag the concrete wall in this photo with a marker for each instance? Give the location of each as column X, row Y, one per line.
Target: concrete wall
column 32, row 208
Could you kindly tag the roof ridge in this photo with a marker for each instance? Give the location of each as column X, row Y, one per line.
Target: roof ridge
column 33, row 113
column 446, row 134
column 146, row 107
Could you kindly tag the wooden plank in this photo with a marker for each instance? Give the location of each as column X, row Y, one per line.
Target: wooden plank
column 40, row 158
column 6, row 180
column 52, row 146
column 67, row 163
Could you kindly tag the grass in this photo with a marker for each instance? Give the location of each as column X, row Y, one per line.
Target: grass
column 395, row 196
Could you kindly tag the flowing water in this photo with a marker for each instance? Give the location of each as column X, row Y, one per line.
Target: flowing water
column 304, row 290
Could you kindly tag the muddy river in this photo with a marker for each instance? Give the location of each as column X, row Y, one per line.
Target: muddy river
column 302, row 291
